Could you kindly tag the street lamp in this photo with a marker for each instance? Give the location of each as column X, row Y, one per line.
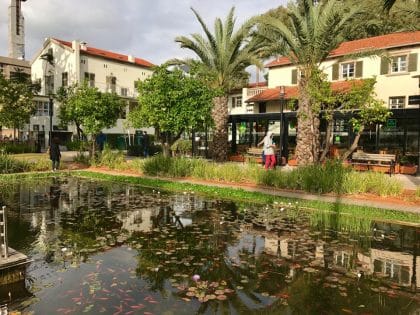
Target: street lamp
column 50, row 112
column 282, row 95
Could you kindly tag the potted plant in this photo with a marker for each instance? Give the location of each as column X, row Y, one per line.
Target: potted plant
column 292, row 160
column 407, row 165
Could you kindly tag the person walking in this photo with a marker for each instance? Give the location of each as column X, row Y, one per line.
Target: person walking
column 55, row 154
column 270, row 158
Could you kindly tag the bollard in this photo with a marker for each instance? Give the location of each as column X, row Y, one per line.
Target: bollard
column 3, row 234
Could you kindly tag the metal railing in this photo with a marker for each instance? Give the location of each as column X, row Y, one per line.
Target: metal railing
column 4, row 250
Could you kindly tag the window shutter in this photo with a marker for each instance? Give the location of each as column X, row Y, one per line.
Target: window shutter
column 412, row 62
column 335, row 70
column 384, row 66
column 359, row 69
column 294, row 76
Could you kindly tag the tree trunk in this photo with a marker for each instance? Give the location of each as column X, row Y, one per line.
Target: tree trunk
column 166, row 149
column 327, row 145
column 220, row 135
column 307, row 146
column 93, row 151
column 354, row 144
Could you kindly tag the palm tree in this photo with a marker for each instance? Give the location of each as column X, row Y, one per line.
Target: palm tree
column 310, row 32
column 223, row 56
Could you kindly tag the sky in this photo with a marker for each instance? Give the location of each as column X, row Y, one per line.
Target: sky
column 145, row 29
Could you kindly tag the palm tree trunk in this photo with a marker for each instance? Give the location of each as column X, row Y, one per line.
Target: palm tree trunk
column 220, row 135
column 307, row 140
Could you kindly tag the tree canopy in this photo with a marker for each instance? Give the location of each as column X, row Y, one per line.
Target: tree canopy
column 16, row 101
column 224, row 54
column 172, row 102
column 89, row 109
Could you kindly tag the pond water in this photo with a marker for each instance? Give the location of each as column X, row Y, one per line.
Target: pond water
column 107, row 248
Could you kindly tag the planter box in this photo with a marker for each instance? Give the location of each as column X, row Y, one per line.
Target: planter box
column 409, row 170
column 236, row 158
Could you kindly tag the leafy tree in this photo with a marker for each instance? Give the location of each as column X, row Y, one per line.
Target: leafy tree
column 366, row 110
column 90, row 109
column 312, row 31
column 16, row 101
column 172, row 102
column 359, row 100
column 224, row 55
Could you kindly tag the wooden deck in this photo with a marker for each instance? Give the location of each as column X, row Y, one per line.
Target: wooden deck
column 13, row 268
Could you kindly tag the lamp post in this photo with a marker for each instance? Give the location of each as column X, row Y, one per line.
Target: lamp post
column 282, row 95
column 50, row 112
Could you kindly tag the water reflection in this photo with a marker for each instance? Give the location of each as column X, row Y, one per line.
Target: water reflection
column 109, row 248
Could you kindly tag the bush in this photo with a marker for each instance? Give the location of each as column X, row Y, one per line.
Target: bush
column 11, row 165
column 17, row 148
column 182, row 146
column 77, row 145
column 110, row 158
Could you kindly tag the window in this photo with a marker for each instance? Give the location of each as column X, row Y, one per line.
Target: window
column 396, row 102
column 90, row 79
column 111, row 84
column 124, row 91
column 1, row 68
column 49, row 84
column 399, row 64
column 42, row 108
column 236, row 101
column 35, row 127
column 347, row 70
column 64, row 79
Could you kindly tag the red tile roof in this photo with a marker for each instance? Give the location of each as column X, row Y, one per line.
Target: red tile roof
column 257, row 84
column 388, row 41
column 292, row 91
column 108, row 54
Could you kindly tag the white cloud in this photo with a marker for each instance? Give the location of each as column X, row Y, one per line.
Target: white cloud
column 145, row 29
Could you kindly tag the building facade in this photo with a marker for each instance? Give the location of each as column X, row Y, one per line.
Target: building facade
column 61, row 63
column 392, row 59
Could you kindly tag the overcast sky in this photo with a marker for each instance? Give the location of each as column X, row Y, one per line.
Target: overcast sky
column 145, row 29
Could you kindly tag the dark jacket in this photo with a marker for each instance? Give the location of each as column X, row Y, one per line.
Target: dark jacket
column 55, row 153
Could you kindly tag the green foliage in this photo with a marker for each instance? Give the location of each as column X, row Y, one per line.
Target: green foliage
column 317, row 178
column 224, row 54
column 88, row 108
column 82, row 158
column 10, row 165
column 418, row 192
column 171, row 102
column 17, row 148
column 111, row 159
column 77, row 145
column 182, row 146
column 16, row 102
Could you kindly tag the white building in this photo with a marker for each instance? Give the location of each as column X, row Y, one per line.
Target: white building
column 73, row 62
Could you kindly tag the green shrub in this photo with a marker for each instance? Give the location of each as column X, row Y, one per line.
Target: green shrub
column 82, row 158
column 111, row 159
column 77, row 145
column 17, row 148
column 418, row 192
column 10, row 165
column 182, row 146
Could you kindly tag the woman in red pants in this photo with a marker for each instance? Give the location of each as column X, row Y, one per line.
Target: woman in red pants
column 270, row 158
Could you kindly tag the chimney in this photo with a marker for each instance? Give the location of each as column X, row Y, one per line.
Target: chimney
column 75, row 44
column 131, row 59
column 83, row 46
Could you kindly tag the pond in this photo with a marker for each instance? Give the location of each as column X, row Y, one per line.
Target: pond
column 107, row 248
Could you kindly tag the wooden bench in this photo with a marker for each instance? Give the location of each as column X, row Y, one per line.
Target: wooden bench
column 253, row 154
column 373, row 159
